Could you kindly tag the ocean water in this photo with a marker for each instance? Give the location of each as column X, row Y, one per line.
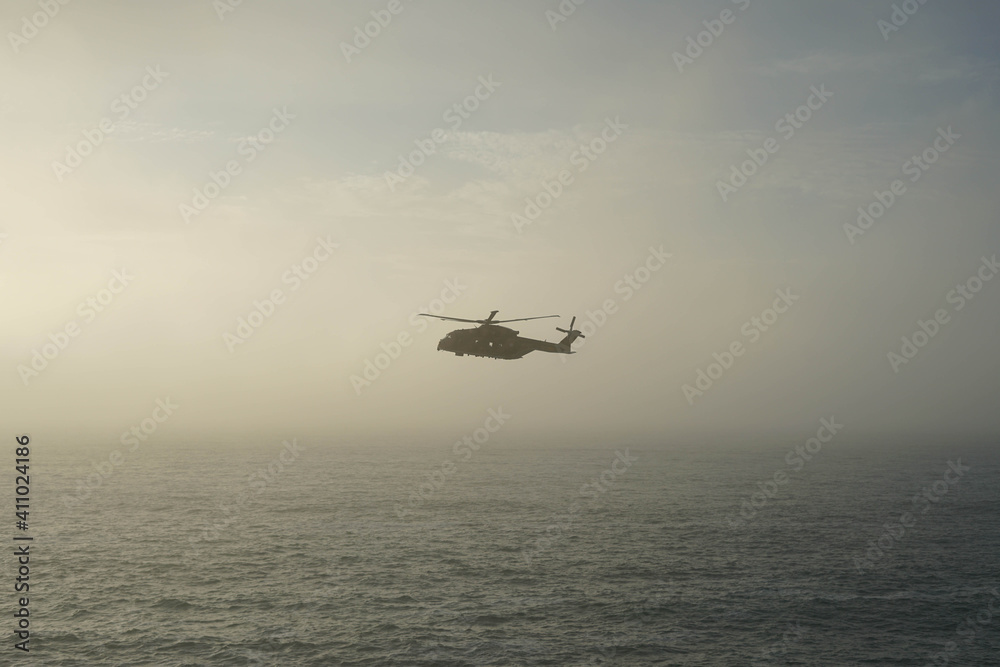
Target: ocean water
column 198, row 554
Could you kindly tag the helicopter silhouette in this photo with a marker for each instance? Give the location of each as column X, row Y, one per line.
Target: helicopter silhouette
column 497, row 342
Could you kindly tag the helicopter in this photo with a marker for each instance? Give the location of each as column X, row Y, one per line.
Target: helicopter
column 491, row 340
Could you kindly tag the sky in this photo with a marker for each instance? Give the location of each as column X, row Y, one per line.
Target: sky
column 117, row 116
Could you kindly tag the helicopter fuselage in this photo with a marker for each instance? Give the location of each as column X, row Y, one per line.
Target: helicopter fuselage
column 496, row 342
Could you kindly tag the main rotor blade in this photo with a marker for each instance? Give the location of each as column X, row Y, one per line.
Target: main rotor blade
column 453, row 319
column 524, row 319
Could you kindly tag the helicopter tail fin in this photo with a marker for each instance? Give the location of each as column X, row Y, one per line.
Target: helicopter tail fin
column 571, row 335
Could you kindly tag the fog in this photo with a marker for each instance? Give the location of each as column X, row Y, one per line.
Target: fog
column 294, row 134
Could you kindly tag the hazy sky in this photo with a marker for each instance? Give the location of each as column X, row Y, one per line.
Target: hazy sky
column 344, row 120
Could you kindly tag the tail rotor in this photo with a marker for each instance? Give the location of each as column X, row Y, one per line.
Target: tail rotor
column 571, row 335
column 571, row 329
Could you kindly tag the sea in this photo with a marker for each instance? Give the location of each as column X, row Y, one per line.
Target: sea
column 308, row 552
